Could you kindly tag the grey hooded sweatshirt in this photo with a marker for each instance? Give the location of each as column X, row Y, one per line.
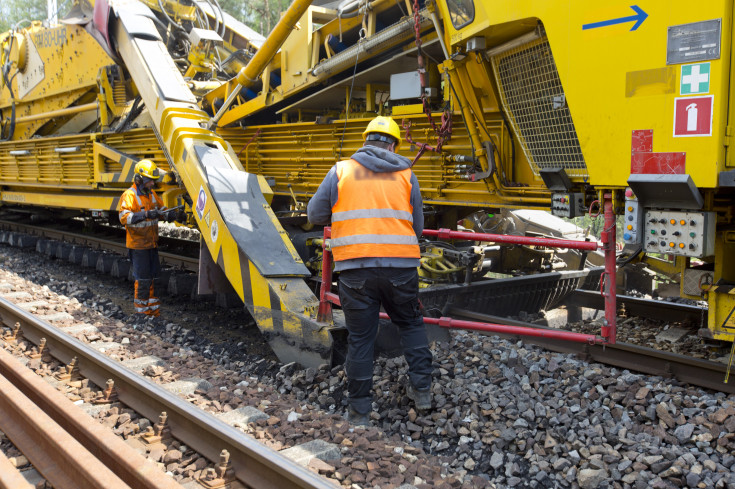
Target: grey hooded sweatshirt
column 378, row 160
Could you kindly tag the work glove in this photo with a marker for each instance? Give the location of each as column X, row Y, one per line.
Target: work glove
column 153, row 214
column 136, row 217
column 177, row 215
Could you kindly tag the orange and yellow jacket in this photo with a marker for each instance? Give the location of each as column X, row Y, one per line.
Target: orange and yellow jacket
column 142, row 233
column 374, row 205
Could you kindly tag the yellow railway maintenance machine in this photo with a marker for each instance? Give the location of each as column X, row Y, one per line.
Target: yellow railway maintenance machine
column 563, row 105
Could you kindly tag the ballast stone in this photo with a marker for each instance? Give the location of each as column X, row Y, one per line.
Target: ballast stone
column 242, row 416
column 140, row 364
column 58, row 317
column 81, row 328
column 304, row 453
column 187, row 386
column 20, row 295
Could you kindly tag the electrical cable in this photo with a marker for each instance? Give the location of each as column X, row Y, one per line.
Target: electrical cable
column 222, row 16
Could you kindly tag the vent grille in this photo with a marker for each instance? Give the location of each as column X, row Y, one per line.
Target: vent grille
column 532, row 95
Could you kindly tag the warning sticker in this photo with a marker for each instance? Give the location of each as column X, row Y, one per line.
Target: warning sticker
column 693, row 116
column 214, row 232
column 201, row 202
column 695, row 79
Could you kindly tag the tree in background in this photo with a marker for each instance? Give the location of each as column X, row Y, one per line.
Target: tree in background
column 14, row 11
column 260, row 15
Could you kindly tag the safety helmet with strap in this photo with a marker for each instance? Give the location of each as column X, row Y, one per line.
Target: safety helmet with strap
column 148, row 169
column 383, row 129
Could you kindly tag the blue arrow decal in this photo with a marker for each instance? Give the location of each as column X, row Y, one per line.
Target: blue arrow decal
column 638, row 18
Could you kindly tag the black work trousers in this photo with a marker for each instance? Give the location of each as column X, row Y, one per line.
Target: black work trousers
column 362, row 291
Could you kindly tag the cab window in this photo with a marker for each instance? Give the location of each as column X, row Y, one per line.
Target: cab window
column 462, row 12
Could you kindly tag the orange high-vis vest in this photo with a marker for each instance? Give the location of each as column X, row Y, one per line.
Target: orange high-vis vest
column 373, row 216
column 143, row 234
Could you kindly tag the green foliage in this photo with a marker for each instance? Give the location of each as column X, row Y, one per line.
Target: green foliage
column 261, row 15
column 596, row 224
column 14, row 11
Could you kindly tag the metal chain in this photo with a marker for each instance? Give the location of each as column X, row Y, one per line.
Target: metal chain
column 444, row 132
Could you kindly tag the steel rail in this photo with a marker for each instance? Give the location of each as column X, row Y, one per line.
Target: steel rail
column 254, row 464
column 178, row 261
column 57, row 456
column 127, row 464
column 695, row 371
column 647, row 308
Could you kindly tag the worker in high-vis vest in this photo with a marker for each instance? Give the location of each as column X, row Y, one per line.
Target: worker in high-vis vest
column 140, row 211
column 373, row 203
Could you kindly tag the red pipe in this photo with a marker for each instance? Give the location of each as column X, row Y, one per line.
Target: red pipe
column 609, row 326
column 509, row 239
column 450, row 323
column 327, row 298
column 324, row 313
column 445, row 322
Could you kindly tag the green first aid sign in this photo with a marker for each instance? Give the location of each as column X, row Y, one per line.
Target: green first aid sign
column 695, row 79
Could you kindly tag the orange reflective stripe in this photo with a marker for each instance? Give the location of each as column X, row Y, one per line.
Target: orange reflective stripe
column 373, row 215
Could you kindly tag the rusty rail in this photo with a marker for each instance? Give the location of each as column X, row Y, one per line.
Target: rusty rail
column 128, row 466
column 57, row 456
column 253, row 464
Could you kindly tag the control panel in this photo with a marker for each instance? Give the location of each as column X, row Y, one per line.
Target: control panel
column 632, row 219
column 680, row 233
column 568, row 204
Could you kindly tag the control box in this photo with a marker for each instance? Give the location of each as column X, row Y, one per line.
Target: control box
column 568, row 204
column 680, row 233
column 632, row 219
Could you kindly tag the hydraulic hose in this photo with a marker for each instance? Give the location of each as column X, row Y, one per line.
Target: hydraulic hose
column 401, row 31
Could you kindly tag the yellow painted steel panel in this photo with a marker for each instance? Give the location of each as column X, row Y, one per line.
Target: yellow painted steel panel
column 603, row 72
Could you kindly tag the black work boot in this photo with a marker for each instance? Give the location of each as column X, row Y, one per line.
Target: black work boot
column 357, row 419
column 420, row 397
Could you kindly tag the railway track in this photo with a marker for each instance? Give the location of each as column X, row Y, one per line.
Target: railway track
column 477, row 379
column 110, row 239
column 636, row 306
column 702, row 373
column 695, row 371
column 117, row 464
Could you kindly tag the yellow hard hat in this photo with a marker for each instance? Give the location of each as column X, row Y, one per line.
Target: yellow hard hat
column 383, row 125
column 148, row 169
